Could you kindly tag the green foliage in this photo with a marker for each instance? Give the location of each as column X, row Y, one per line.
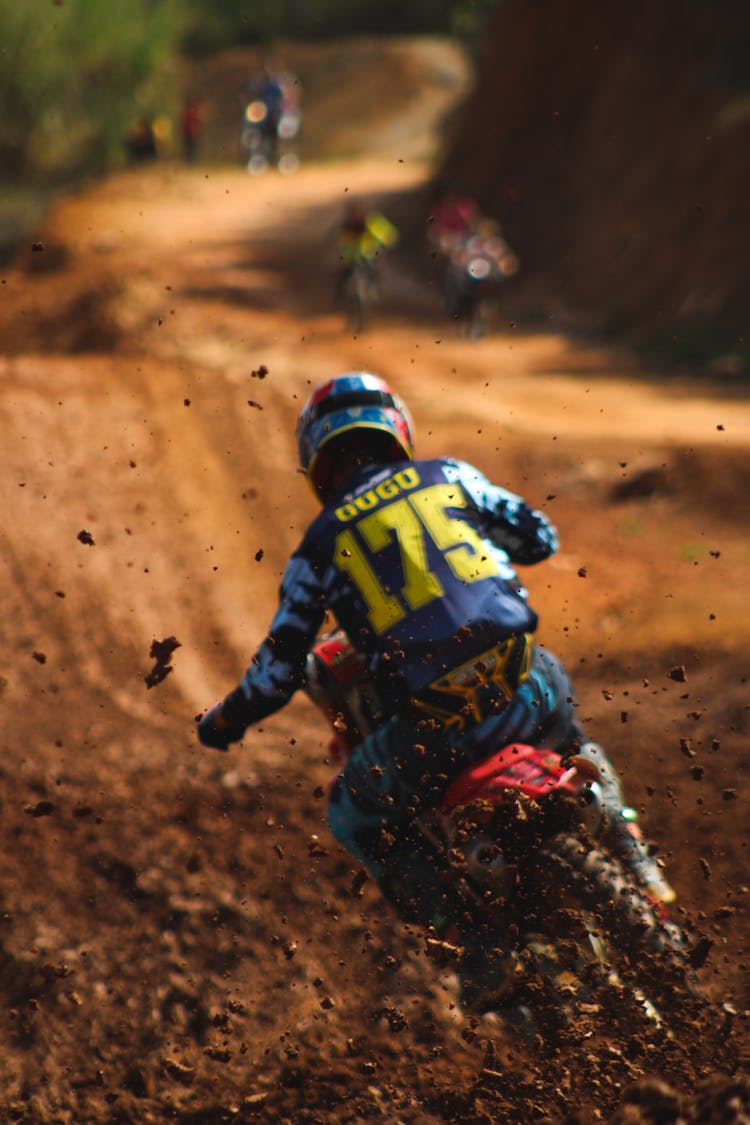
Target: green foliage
column 469, row 20
column 74, row 74
column 213, row 24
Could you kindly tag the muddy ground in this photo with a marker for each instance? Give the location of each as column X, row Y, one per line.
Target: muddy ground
column 181, row 940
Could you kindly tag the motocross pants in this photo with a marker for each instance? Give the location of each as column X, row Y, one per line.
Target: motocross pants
column 403, row 767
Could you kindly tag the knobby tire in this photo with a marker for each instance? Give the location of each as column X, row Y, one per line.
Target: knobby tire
column 600, row 883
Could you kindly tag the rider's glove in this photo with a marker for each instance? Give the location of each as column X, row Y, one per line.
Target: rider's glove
column 216, row 730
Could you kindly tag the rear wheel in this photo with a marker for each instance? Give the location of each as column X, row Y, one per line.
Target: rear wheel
column 588, row 939
column 475, row 322
column 630, row 920
column 354, row 311
column 638, row 959
column 357, row 294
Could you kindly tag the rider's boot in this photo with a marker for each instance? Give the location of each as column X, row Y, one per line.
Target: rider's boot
column 620, row 831
column 407, row 870
column 416, row 880
column 412, row 883
column 485, row 974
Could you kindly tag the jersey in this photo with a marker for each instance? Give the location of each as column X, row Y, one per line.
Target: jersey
column 414, row 560
column 365, row 239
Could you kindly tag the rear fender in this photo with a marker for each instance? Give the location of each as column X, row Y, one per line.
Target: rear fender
column 535, row 772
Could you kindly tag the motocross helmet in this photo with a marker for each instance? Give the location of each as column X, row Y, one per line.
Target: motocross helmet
column 354, row 405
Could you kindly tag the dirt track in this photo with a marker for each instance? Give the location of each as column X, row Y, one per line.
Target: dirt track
column 180, row 938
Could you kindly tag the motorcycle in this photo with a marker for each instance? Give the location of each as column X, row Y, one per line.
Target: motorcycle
column 267, row 138
column 474, row 271
column 543, row 921
column 359, row 291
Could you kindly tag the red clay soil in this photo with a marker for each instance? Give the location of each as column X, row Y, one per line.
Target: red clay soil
column 180, row 939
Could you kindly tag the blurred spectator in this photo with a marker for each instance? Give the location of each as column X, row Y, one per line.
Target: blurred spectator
column 191, row 125
column 140, row 140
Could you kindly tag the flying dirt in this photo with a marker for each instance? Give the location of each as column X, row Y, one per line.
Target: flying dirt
column 181, row 938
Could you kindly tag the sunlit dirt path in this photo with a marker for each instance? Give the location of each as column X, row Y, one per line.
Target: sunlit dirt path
column 153, row 358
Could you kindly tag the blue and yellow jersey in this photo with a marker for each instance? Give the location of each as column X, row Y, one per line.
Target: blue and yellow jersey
column 414, row 560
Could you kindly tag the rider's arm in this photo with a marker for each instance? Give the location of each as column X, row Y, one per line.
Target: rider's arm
column 277, row 669
column 526, row 535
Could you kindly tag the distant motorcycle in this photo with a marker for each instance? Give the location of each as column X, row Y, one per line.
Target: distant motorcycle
column 359, row 291
column 474, row 271
column 555, row 921
column 267, row 137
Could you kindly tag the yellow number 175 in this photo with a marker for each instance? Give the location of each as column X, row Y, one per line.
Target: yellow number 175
column 408, row 521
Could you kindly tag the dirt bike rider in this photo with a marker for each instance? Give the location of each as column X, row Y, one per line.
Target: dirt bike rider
column 451, row 221
column 477, row 261
column 270, row 111
column 268, row 89
column 360, row 237
column 414, row 560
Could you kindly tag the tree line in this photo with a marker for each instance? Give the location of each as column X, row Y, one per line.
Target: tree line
column 75, row 74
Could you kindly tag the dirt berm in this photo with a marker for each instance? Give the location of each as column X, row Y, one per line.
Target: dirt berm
column 613, row 141
column 180, row 939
